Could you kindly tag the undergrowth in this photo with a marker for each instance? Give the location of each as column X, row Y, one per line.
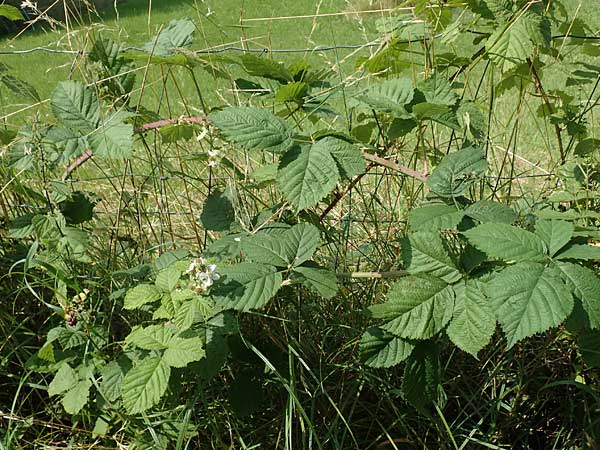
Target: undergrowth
column 384, row 247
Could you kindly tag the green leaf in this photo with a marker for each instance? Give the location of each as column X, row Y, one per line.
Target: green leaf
column 77, row 397
column 488, row 211
column 20, row 87
column 253, row 128
column 47, row 352
column 145, row 384
column 379, row 348
column 191, row 311
column 307, row 174
column 113, row 138
column 12, row 13
column 473, row 321
column 112, row 379
column 438, row 91
column 78, row 208
column 152, row 337
column 290, row 248
column 65, row 379
column 291, row 92
column 510, row 46
column 435, row 217
column 320, row 281
column 178, row 34
column 390, row 96
column 167, row 279
column 260, row 66
column 70, row 338
column 499, row 240
column 76, row 106
column 555, row 234
column 140, row 295
column 589, row 346
column 419, row 306
column 457, row 172
column 265, row 249
column 472, row 119
column 300, row 243
column 432, row 111
column 421, row 376
column 265, row 173
column 529, row 298
column 424, row 252
column 182, row 351
column 349, row 159
column 247, row 286
column 177, row 132
column 580, row 251
column 218, row 213
column 584, row 284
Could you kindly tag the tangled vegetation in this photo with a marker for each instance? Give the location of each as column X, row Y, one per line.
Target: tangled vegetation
column 210, row 249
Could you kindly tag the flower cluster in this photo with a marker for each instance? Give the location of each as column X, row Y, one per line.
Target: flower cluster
column 213, row 155
column 202, row 274
column 76, row 308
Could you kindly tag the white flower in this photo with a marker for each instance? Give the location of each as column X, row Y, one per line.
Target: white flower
column 202, row 134
column 213, row 153
column 29, row 4
column 202, row 275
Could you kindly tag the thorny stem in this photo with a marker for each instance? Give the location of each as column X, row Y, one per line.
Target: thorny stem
column 161, row 123
column 540, row 89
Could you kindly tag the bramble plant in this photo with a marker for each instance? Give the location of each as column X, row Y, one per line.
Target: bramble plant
column 142, row 324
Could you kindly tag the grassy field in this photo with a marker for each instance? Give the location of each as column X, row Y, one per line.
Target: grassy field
column 261, row 25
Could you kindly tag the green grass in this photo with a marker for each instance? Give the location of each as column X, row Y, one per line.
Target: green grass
column 220, row 23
